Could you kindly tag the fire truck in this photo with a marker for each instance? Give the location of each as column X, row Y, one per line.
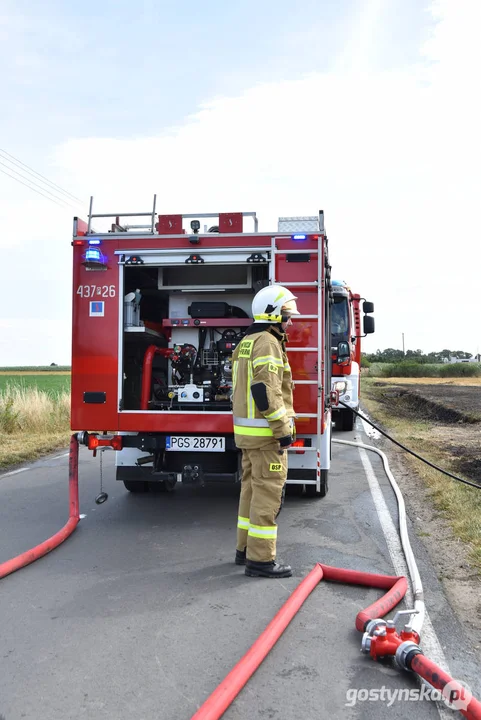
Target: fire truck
column 346, row 372
column 158, row 309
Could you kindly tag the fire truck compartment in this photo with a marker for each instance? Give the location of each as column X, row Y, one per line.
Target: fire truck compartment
column 168, row 307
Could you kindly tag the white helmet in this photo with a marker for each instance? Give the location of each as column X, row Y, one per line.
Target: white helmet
column 272, row 303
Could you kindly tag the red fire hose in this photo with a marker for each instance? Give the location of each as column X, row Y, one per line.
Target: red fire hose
column 218, row 702
column 452, row 690
column 215, row 705
column 40, row 550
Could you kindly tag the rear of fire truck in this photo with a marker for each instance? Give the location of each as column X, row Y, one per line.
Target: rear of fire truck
column 158, row 310
column 346, row 332
column 346, row 370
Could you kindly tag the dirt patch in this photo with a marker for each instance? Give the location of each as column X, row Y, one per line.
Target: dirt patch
column 455, row 411
column 444, row 403
column 433, row 381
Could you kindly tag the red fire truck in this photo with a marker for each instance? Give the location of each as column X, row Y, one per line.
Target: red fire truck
column 158, row 309
column 346, row 372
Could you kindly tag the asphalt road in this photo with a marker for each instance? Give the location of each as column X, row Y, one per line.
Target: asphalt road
column 141, row 613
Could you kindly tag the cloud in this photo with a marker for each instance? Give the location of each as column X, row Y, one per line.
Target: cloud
column 392, row 157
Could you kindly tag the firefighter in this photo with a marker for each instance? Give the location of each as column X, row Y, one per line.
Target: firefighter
column 263, row 429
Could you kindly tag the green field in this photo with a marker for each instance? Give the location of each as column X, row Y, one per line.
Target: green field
column 36, row 368
column 51, row 383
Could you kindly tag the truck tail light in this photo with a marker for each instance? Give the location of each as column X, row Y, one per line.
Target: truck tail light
column 299, row 444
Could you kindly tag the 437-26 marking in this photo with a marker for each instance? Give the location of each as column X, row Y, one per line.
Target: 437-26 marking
column 90, row 291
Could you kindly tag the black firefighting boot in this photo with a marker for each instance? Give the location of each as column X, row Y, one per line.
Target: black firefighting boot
column 240, row 557
column 267, row 569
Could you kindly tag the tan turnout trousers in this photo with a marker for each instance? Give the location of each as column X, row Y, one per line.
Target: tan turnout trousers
column 264, row 474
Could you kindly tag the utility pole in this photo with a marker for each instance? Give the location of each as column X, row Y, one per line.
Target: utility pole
column 403, row 345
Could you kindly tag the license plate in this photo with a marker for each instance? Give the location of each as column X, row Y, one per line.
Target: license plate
column 195, row 443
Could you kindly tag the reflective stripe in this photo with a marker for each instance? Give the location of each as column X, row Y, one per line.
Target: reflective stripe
column 277, row 414
column 235, row 367
column 264, row 317
column 266, row 533
column 250, row 400
column 243, row 523
column 287, row 367
column 253, row 431
column 250, row 422
column 266, row 359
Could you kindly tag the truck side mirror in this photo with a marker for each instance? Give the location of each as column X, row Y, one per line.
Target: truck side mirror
column 368, row 324
column 343, row 352
column 367, row 307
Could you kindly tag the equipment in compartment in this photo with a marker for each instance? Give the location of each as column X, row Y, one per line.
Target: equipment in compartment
column 198, row 376
column 215, row 310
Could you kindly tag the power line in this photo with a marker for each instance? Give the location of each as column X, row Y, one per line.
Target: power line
column 31, row 188
column 67, row 203
column 34, row 172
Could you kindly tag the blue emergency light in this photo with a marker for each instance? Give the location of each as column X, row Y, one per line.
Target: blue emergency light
column 94, row 241
column 93, row 254
column 299, row 237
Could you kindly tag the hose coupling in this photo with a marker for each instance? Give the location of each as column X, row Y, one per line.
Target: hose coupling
column 373, row 625
column 83, row 438
column 405, row 653
column 366, row 643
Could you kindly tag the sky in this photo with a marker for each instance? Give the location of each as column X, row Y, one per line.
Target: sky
column 366, row 109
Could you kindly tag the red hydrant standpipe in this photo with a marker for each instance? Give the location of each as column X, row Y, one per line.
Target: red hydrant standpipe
column 40, row 550
column 215, row 705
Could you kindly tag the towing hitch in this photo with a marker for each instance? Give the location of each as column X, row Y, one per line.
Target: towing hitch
column 193, row 475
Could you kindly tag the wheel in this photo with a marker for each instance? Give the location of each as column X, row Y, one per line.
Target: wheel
column 311, row 490
column 136, row 486
column 347, row 420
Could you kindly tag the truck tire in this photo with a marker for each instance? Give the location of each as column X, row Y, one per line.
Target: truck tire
column 347, row 420
column 136, row 486
column 311, row 490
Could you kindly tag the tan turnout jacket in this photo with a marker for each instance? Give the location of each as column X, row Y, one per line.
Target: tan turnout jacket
column 260, row 358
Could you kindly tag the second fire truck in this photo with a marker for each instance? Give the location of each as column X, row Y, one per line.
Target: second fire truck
column 346, row 372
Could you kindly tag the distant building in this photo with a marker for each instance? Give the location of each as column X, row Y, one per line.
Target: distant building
column 472, row 359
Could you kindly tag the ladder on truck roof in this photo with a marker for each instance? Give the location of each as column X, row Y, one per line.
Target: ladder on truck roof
column 308, row 225
column 226, row 221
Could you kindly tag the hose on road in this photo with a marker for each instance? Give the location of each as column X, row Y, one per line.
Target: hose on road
column 47, row 546
column 215, row 705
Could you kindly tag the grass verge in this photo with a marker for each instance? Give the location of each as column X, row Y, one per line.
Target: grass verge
column 16, row 449
column 458, row 504
column 32, row 422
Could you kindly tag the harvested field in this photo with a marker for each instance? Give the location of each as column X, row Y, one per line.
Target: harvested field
column 434, row 381
column 455, row 410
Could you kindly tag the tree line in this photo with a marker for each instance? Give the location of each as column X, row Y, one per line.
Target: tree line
column 391, row 355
